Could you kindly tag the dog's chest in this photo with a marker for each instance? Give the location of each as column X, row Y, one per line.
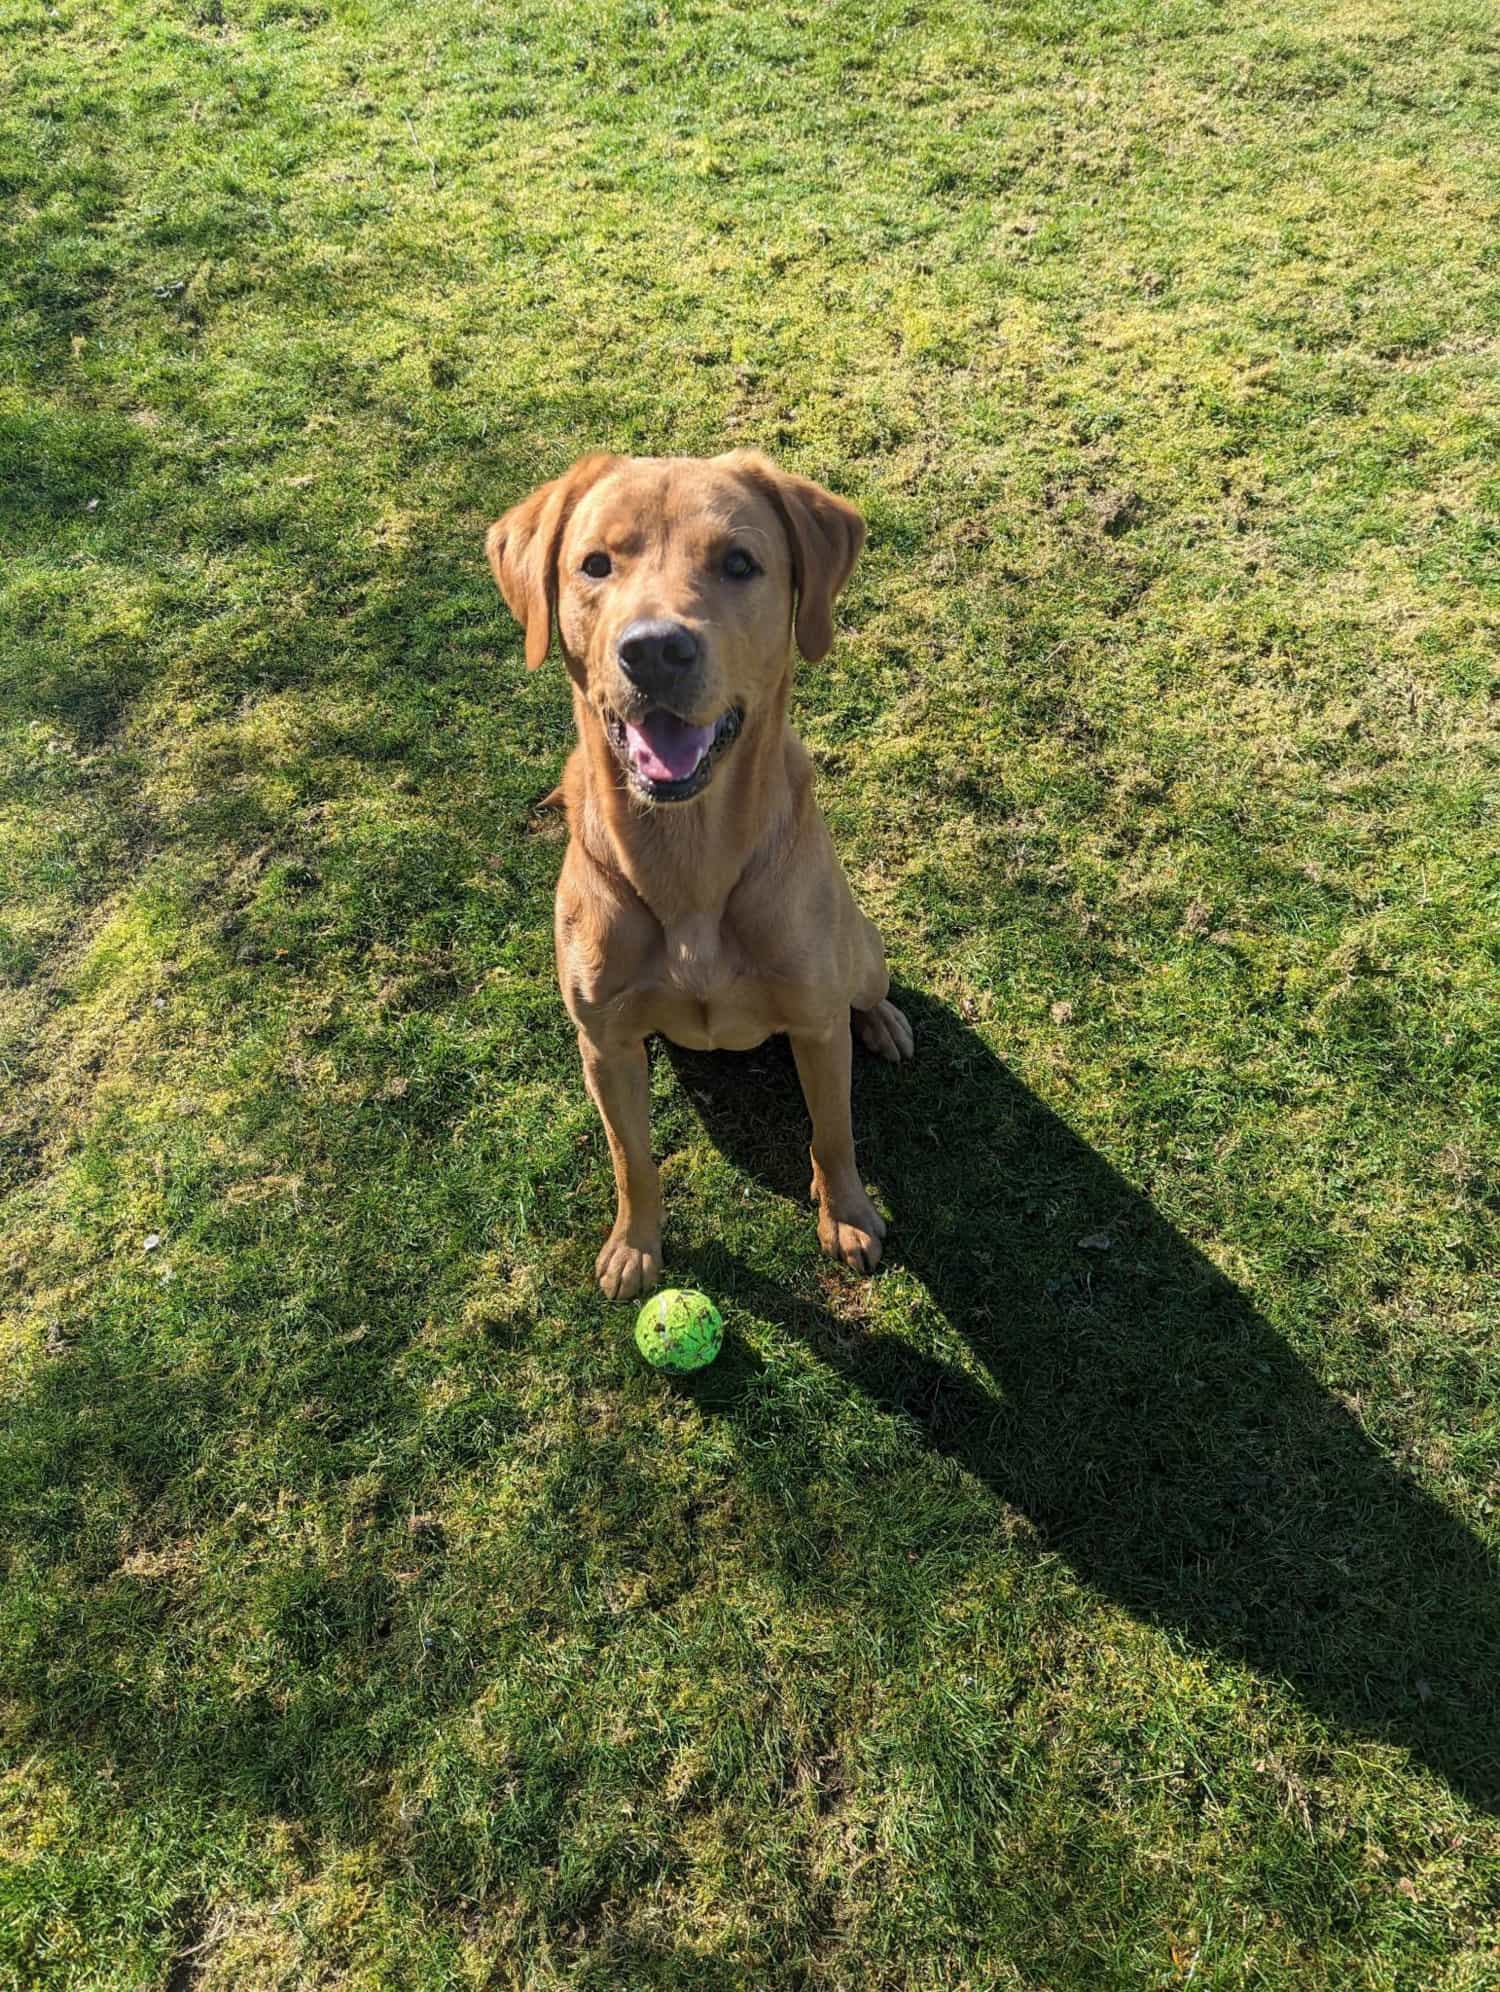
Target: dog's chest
column 708, row 994
column 708, row 999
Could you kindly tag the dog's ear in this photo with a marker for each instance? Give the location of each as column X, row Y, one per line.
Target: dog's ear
column 523, row 548
column 825, row 535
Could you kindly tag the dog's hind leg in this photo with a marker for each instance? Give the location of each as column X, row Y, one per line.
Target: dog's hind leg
column 878, row 1024
column 885, row 1031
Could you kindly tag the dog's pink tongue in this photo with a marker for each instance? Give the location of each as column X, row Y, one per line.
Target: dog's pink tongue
column 665, row 748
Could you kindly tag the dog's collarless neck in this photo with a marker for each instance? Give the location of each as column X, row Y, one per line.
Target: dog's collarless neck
column 683, row 861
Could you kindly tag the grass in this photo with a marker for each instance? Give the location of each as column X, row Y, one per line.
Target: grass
column 1106, row 1595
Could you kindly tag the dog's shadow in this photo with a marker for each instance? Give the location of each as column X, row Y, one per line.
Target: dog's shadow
column 1157, row 1431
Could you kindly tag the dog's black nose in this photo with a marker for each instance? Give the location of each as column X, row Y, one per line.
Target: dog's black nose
column 656, row 650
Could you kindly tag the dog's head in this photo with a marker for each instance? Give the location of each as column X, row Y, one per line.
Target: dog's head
column 676, row 584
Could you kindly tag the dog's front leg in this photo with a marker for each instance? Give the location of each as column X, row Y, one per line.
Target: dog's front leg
column 849, row 1226
column 619, row 1080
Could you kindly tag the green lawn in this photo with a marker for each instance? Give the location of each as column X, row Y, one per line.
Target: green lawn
column 1106, row 1594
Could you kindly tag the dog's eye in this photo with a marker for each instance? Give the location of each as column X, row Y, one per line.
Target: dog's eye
column 597, row 565
column 738, row 565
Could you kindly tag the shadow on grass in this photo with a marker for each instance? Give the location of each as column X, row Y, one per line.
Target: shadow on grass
column 1159, row 1433
column 101, row 1662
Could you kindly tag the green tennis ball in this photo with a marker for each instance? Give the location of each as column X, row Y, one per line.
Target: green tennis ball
column 679, row 1330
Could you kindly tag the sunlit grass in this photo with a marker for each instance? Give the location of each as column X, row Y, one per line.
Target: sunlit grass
column 1048, row 1611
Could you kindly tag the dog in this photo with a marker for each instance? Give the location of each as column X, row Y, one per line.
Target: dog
column 701, row 896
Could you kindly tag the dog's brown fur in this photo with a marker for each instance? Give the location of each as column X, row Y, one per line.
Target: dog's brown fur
column 720, row 920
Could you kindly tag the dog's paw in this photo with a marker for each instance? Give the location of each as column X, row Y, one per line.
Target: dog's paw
column 852, row 1233
column 885, row 1031
column 624, row 1270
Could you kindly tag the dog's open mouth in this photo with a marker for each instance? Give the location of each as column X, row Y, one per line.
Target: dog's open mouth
column 666, row 758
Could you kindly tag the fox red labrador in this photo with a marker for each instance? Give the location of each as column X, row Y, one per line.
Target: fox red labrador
column 701, row 895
